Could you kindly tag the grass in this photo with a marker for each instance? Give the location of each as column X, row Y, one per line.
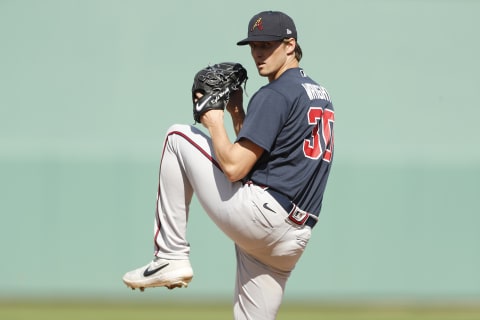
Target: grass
column 19, row 310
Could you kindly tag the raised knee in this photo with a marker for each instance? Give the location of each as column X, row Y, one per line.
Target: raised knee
column 179, row 128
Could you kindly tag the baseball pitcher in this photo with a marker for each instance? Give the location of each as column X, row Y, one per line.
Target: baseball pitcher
column 265, row 189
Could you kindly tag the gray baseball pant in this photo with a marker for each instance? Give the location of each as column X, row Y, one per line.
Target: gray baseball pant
column 267, row 245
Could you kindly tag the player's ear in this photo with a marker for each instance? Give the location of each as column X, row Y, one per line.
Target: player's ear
column 290, row 44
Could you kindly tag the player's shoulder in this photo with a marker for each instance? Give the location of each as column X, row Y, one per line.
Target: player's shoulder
column 293, row 83
column 313, row 89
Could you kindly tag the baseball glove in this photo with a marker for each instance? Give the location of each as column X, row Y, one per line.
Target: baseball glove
column 215, row 83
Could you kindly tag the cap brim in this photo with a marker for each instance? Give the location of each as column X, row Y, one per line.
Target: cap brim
column 260, row 38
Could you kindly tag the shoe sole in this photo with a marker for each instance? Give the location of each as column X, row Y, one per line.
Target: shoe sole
column 174, row 282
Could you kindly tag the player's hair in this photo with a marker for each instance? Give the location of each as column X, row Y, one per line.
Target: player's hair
column 298, row 50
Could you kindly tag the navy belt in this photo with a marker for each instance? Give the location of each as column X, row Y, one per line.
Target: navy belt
column 289, row 206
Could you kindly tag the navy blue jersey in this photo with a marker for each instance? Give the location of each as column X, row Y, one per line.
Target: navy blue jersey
column 292, row 118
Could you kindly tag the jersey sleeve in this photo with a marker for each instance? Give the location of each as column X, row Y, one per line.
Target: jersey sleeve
column 266, row 115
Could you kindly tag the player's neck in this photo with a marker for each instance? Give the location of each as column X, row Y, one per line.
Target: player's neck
column 290, row 64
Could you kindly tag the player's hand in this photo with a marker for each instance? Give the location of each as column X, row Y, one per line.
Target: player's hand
column 212, row 118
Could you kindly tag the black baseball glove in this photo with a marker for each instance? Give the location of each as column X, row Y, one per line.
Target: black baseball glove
column 215, row 83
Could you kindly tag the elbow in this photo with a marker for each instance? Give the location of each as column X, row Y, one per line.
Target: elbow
column 233, row 174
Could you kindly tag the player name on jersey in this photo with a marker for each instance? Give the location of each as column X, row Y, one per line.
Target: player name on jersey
column 316, row 92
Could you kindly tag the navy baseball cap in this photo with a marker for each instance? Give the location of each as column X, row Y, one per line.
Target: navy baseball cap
column 270, row 26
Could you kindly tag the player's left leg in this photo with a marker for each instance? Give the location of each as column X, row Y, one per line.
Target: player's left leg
column 259, row 289
column 262, row 272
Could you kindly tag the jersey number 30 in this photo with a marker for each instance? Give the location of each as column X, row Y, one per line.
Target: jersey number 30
column 321, row 142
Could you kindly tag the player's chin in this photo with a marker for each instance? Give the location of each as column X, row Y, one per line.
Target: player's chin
column 262, row 71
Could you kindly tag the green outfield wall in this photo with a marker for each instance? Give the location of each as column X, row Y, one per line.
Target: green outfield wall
column 88, row 89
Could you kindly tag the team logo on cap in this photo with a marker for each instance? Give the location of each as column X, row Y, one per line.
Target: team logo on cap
column 258, row 24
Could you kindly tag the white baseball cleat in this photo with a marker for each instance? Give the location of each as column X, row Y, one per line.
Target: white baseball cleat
column 160, row 273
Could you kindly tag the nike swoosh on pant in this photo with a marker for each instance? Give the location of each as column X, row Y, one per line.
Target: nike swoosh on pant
column 265, row 205
column 149, row 272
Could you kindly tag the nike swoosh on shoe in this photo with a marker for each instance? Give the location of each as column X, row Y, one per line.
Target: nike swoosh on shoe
column 148, row 272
